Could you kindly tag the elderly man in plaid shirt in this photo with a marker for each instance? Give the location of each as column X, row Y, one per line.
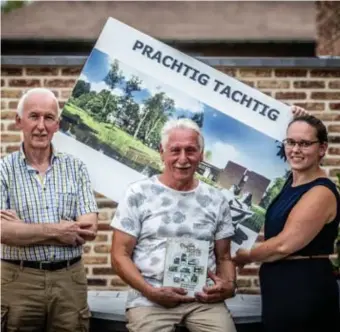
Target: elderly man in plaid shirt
column 48, row 211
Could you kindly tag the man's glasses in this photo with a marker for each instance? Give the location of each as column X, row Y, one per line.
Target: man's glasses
column 290, row 143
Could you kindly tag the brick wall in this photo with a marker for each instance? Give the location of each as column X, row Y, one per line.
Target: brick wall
column 328, row 28
column 318, row 90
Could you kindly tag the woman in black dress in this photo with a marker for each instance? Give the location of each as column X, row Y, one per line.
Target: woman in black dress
column 298, row 286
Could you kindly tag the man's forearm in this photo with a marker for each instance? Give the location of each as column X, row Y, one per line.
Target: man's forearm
column 22, row 234
column 225, row 269
column 92, row 218
column 129, row 273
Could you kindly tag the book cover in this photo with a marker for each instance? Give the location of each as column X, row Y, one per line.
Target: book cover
column 186, row 264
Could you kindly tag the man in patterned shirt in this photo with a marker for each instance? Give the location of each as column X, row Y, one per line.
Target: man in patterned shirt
column 174, row 204
column 48, row 210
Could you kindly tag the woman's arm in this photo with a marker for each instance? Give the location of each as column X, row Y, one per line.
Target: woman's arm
column 316, row 208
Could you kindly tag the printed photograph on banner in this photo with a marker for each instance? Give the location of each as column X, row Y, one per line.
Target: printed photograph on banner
column 119, row 111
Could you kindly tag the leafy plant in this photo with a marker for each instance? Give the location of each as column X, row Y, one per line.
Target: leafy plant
column 7, row 6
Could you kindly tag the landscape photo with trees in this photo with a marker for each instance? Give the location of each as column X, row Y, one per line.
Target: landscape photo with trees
column 119, row 111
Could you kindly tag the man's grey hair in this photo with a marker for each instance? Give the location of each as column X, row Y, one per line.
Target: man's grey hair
column 182, row 123
column 21, row 103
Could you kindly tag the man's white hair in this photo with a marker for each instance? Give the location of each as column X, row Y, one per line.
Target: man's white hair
column 182, row 123
column 21, row 103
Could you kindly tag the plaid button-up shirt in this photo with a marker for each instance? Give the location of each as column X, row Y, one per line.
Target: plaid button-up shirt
column 65, row 193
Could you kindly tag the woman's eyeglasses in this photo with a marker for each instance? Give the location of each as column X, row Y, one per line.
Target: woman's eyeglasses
column 303, row 144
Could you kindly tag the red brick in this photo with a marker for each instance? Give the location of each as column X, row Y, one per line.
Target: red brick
column 66, row 94
column 59, row 83
column 116, row 281
column 61, row 104
column 250, row 83
column 101, row 238
column 71, row 71
column 86, row 249
column 290, row 95
column 96, row 282
column 11, row 71
column 11, row 94
column 275, row 84
column 103, row 271
column 241, row 282
column 247, row 271
column 12, row 105
column 334, row 85
column 331, row 162
column 102, row 249
column 249, row 291
column 41, row 71
column 312, row 106
column 3, row 104
column 56, row 93
column 13, row 127
column 256, row 282
column 290, row 72
column 255, row 72
column 309, row 84
column 325, row 73
column 104, row 227
column 8, row 115
column 334, row 151
column 325, row 95
column 334, row 106
column 334, row 139
column 3, row 83
column 12, row 148
column 106, row 204
column 334, row 172
column 95, row 259
column 10, row 138
column 334, row 128
column 113, row 269
column 103, row 215
column 328, row 116
column 24, row 83
column 229, row 71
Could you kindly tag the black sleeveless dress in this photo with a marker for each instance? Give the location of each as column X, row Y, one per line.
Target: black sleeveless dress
column 300, row 295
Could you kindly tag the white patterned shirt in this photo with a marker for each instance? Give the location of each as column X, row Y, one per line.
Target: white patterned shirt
column 152, row 212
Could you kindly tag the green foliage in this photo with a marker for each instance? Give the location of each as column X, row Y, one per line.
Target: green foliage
column 281, row 151
column 198, row 118
column 8, row 6
column 82, row 100
column 143, row 122
column 81, row 88
column 156, row 110
column 256, row 221
column 114, row 76
column 207, row 155
column 113, row 136
column 272, row 192
column 207, row 181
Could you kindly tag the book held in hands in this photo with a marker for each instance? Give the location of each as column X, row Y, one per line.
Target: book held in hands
column 186, row 264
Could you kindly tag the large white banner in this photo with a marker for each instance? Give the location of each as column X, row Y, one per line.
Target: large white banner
column 132, row 83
